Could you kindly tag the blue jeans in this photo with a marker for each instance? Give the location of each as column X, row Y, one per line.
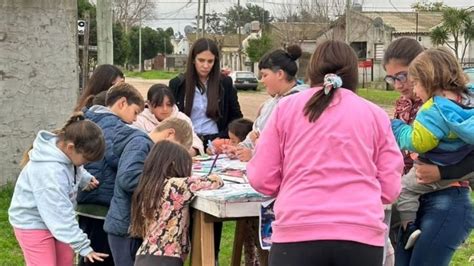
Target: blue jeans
column 445, row 218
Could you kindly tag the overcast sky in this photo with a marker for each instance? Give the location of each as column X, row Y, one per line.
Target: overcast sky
column 179, row 13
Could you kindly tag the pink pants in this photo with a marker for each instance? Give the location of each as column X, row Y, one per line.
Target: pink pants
column 41, row 248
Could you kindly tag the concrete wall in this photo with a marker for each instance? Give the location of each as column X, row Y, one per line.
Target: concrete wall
column 38, row 73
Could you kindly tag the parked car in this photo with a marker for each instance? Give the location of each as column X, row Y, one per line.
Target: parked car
column 244, row 80
column 470, row 74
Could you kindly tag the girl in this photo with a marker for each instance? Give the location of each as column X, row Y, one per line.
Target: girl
column 160, row 206
column 328, row 209
column 159, row 106
column 442, row 134
column 103, row 77
column 398, row 56
column 278, row 69
column 208, row 98
column 42, row 207
column 238, row 131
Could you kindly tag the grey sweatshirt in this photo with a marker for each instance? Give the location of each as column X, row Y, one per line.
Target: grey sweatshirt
column 45, row 193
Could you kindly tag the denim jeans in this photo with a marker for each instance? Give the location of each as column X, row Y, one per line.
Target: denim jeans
column 445, row 218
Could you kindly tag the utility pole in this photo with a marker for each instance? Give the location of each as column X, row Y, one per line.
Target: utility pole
column 240, row 37
column 197, row 19
column 140, row 44
column 85, row 52
column 348, row 11
column 105, row 41
column 204, row 18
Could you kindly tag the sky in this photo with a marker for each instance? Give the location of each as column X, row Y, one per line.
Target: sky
column 179, row 13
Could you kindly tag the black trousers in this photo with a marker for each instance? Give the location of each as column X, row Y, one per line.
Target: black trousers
column 150, row 260
column 94, row 228
column 325, row 252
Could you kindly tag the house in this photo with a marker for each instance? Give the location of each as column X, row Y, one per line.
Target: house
column 302, row 33
column 370, row 33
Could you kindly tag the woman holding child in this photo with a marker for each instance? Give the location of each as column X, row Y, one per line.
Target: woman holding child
column 330, row 171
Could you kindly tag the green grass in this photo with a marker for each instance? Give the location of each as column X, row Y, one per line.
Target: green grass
column 10, row 253
column 152, row 74
column 379, row 96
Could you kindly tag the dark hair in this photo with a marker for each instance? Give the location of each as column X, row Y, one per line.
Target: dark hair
column 126, row 90
column 438, row 68
column 166, row 159
column 241, row 127
column 403, row 49
column 101, row 80
column 284, row 60
column 330, row 57
column 86, row 136
column 157, row 93
column 192, row 78
column 99, row 99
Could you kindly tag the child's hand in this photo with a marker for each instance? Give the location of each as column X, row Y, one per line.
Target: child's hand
column 230, row 150
column 254, row 135
column 95, row 256
column 244, row 154
column 93, row 184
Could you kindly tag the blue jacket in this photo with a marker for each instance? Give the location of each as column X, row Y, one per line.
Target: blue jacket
column 134, row 146
column 45, row 194
column 442, row 131
column 104, row 170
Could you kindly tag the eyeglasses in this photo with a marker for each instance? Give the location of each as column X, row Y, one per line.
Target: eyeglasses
column 401, row 77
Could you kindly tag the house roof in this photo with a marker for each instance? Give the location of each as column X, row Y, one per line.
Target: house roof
column 300, row 30
column 406, row 22
column 228, row 40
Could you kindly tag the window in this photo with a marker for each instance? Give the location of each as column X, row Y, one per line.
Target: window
column 360, row 49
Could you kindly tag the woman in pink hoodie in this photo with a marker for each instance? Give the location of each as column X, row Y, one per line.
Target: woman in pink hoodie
column 331, row 160
column 159, row 106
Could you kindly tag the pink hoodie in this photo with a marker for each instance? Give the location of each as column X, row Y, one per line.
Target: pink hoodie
column 147, row 121
column 332, row 177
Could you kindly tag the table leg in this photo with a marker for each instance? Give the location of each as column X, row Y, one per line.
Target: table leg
column 239, row 236
column 202, row 249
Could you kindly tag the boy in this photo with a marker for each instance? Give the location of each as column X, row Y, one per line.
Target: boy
column 123, row 103
column 130, row 166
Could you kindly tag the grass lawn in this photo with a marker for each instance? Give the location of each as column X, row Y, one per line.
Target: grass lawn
column 152, row 74
column 379, row 96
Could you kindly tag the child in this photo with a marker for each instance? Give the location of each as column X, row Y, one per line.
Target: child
column 121, row 105
column 42, row 207
column 160, row 207
column 441, row 132
column 238, row 130
column 159, row 106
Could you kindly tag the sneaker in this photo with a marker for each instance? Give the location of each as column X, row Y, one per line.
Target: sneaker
column 410, row 235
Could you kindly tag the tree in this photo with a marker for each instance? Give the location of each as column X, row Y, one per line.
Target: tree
column 150, row 44
column 238, row 16
column 458, row 24
column 214, row 23
column 429, row 6
column 129, row 12
column 122, row 47
column 258, row 47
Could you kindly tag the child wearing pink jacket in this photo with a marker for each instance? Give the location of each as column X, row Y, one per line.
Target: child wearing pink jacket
column 330, row 159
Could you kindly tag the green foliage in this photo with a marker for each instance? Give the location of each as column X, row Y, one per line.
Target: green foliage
column 429, row 6
column 258, row 47
column 122, row 48
column 10, row 252
column 84, row 6
column 456, row 23
column 152, row 74
column 238, row 16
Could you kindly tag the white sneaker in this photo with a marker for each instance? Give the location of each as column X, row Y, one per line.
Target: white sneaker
column 412, row 239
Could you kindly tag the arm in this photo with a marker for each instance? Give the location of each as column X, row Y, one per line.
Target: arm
column 233, row 106
column 131, row 163
column 429, row 173
column 57, row 211
column 264, row 169
column 195, row 183
column 427, row 130
column 389, row 163
column 84, row 177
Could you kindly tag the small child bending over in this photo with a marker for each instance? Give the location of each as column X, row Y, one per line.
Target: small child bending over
column 160, row 205
column 237, row 130
column 442, row 132
column 42, row 208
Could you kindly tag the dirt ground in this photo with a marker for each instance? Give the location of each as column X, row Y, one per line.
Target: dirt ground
column 250, row 101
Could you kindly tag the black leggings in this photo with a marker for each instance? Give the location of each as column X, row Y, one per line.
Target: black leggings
column 325, row 252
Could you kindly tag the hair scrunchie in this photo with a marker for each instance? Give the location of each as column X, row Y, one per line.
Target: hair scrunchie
column 331, row 81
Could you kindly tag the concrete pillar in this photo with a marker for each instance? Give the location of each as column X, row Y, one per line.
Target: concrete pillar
column 38, row 73
column 105, row 40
